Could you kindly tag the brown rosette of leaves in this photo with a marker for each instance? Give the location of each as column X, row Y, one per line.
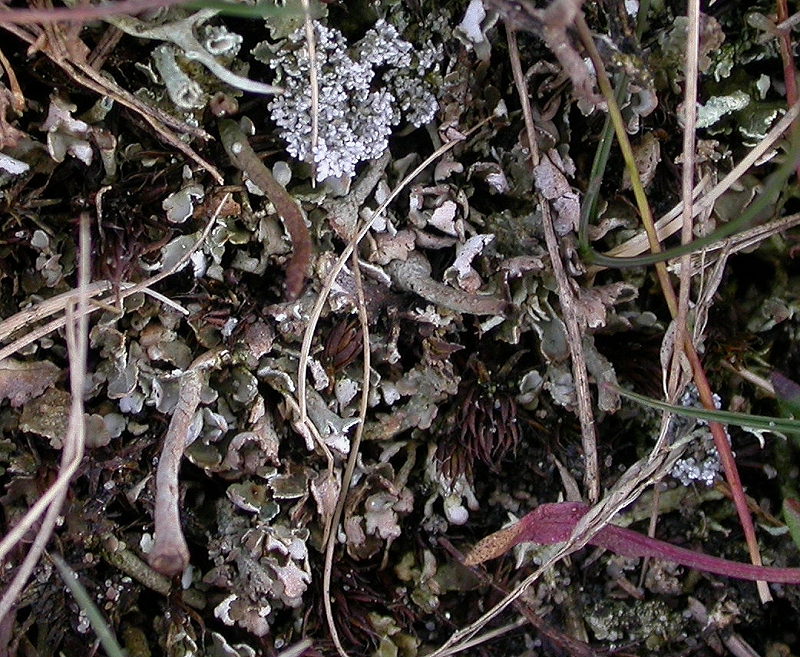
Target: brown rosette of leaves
column 482, row 424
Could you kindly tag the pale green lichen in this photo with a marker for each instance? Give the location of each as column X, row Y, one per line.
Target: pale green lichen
column 652, row 622
column 718, row 106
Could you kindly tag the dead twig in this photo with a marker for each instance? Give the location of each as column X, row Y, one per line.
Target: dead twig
column 170, row 553
column 566, row 295
column 77, row 334
column 124, row 559
column 352, row 458
column 245, row 159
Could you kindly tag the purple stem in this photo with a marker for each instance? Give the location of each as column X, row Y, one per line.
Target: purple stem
column 554, row 523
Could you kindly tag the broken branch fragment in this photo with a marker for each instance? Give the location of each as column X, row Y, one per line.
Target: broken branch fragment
column 245, row 159
column 170, row 553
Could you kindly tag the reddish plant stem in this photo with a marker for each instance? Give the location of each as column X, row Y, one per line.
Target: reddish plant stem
column 81, row 13
column 789, row 73
column 245, row 159
column 554, row 523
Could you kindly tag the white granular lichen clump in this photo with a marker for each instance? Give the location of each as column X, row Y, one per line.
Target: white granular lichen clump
column 702, row 464
column 357, row 110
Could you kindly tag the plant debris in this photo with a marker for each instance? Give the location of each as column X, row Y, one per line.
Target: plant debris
column 270, row 193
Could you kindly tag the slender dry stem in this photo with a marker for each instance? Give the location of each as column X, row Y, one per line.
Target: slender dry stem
column 566, row 295
column 352, row 458
column 73, row 444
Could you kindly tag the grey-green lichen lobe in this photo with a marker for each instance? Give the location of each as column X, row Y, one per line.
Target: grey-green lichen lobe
column 621, row 622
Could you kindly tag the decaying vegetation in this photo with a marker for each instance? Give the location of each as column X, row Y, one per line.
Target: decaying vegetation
column 303, row 301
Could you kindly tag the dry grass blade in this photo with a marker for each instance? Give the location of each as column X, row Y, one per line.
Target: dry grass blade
column 352, row 458
column 745, row 240
column 566, row 296
column 73, row 444
column 672, row 221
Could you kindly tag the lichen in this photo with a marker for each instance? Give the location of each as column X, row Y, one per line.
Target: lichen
column 357, row 108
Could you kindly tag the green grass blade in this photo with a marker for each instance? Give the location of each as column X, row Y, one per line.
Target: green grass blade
column 791, row 516
column 87, row 605
column 771, row 191
column 759, row 422
column 245, row 11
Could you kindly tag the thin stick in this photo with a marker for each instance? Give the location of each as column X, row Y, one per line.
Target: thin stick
column 313, row 80
column 170, row 553
column 566, row 296
column 159, row 121
column 74, row 440
column 352, row 459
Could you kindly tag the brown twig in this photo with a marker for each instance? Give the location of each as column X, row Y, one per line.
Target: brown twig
column 120, row 556
column 170, row 554
column 566, row 296
column 245, row 159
